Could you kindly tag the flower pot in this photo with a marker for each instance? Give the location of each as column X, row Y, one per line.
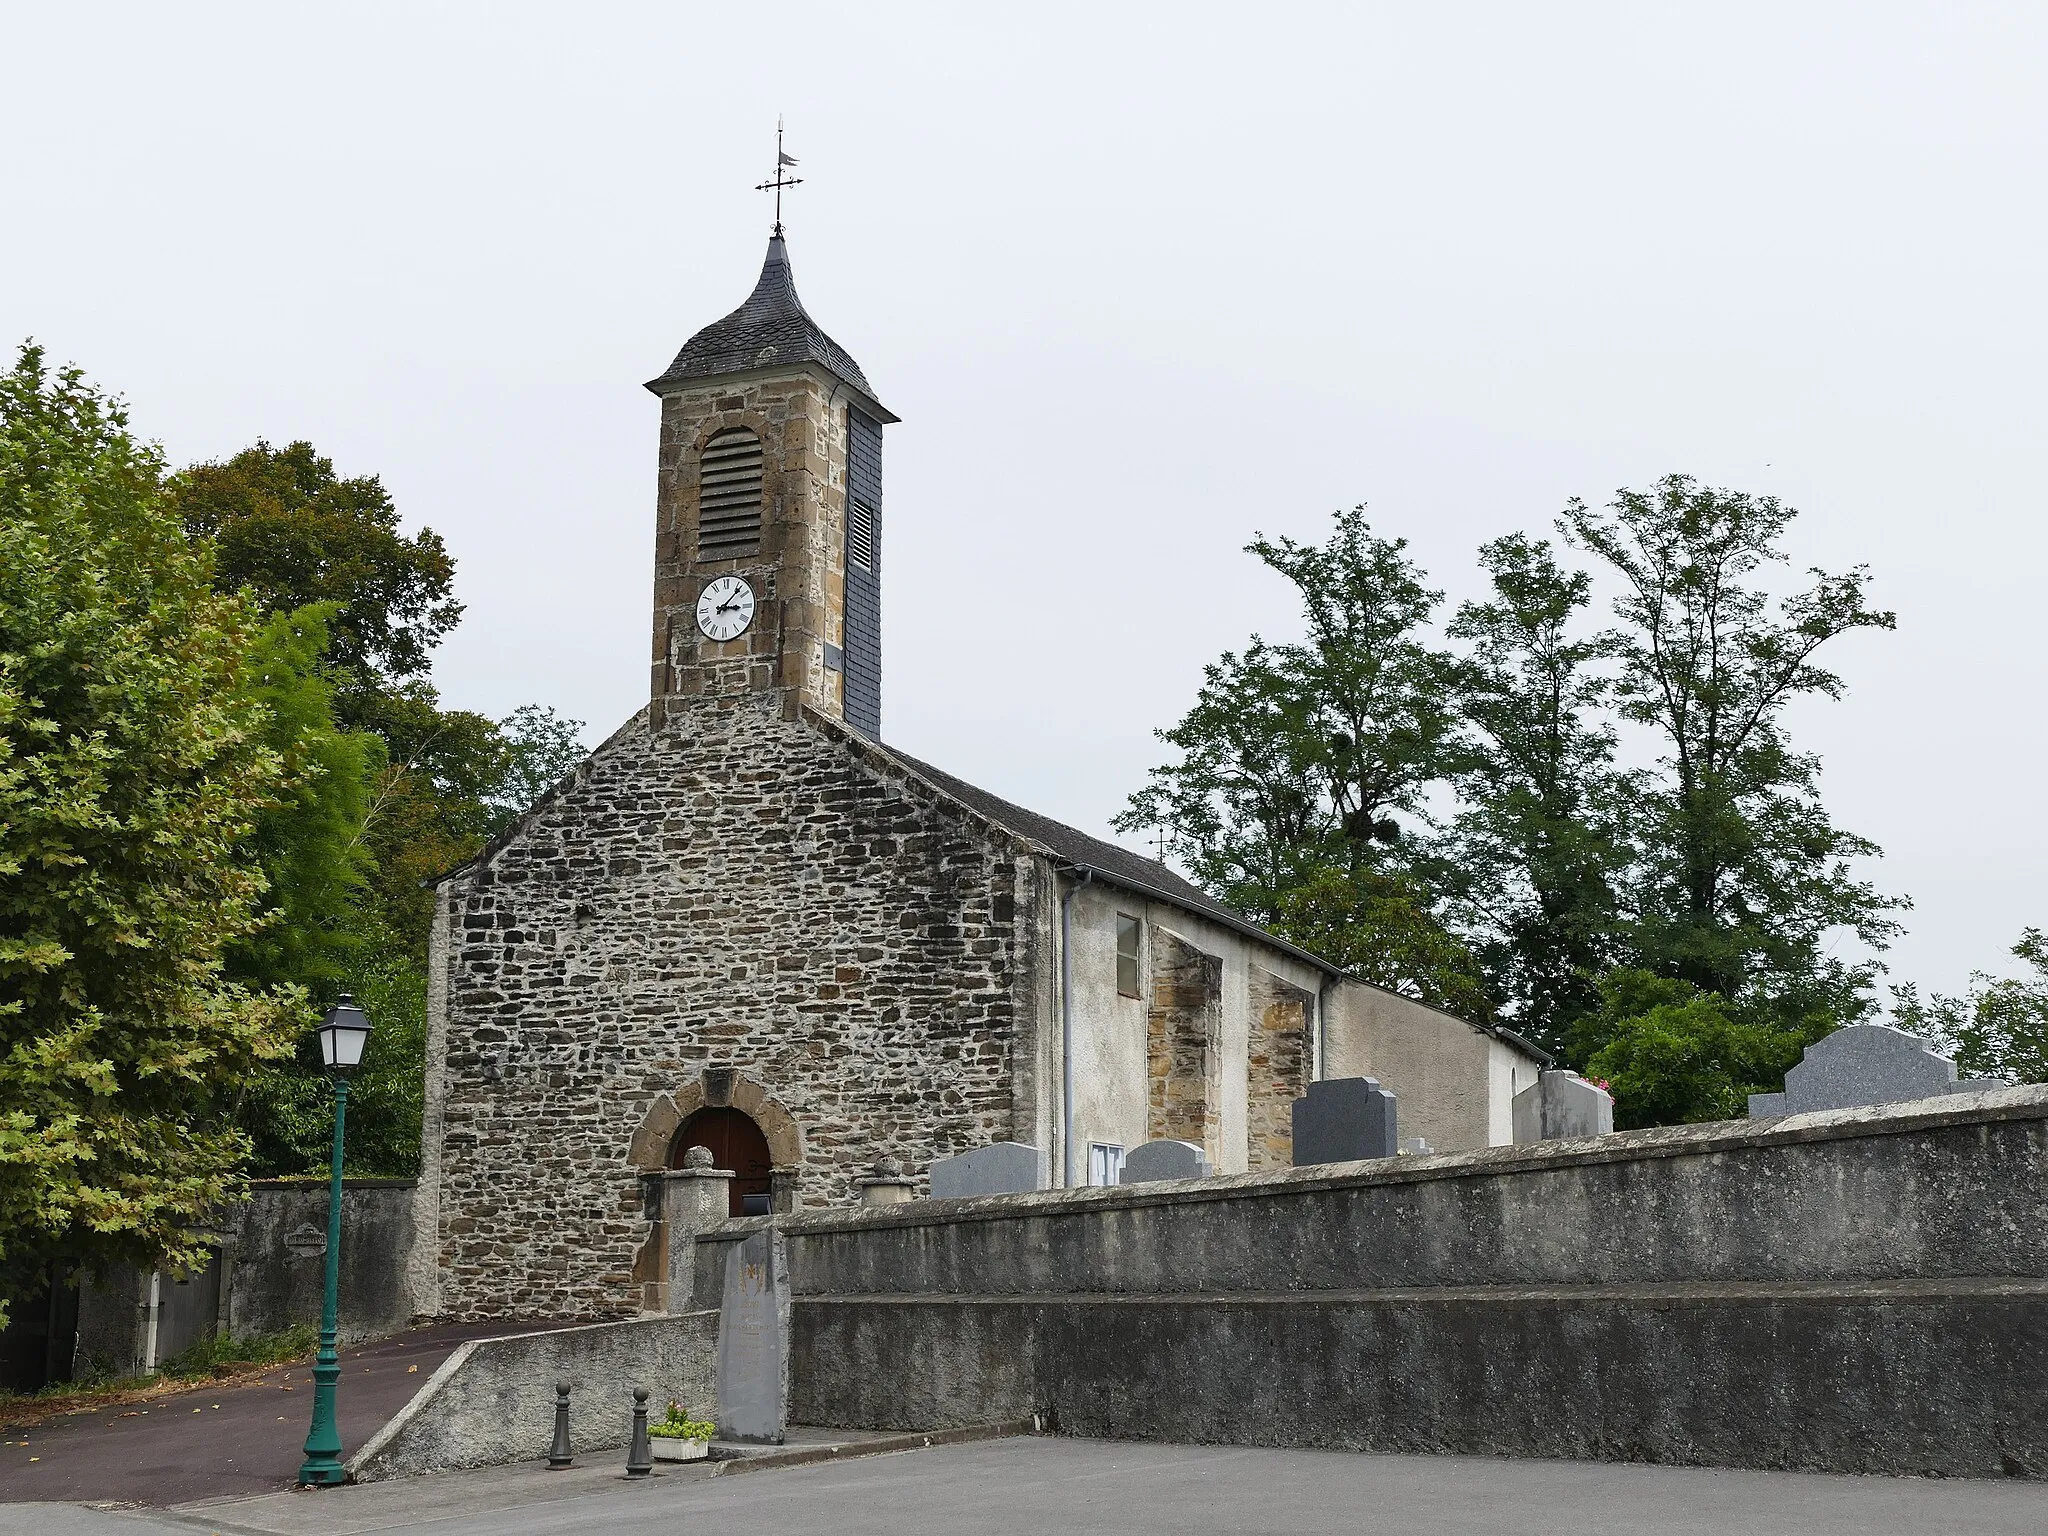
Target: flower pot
column 678, row 1450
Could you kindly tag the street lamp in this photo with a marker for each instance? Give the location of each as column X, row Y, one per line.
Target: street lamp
column 343, row 1033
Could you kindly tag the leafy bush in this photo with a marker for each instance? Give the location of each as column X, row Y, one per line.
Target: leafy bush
column 676, row 1425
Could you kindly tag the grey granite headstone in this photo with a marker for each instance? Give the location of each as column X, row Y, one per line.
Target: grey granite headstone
column 1560, row 1104
column 1865, row 1064
column 1001, row 1168
column 1343, row 1120
column 1157, row 1160
column 753, row 1340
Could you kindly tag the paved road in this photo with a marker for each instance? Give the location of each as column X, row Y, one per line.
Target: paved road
column 229, row 1438
column 1038, row 1485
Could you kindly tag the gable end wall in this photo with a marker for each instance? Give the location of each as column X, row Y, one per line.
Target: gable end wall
column 740, row 889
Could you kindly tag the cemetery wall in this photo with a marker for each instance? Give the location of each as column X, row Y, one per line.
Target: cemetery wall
column 268, row 1287
column 1860, row 1290
column 254, row 1283
column 493, row 1401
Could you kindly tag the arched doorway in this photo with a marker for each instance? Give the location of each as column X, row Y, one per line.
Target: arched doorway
column 736, row 1143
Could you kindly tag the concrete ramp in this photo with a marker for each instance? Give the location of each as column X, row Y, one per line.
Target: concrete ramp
column 493, row 1400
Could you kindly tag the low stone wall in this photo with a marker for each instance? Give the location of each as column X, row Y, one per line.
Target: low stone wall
column 1862, row 1290
column 493, row 1400
column 267, row 1287
column 253, row 1283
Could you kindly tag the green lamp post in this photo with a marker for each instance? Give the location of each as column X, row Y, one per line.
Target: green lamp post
column 343, row 1033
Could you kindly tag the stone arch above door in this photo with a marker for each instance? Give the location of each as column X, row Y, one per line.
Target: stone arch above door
column 716, row 1088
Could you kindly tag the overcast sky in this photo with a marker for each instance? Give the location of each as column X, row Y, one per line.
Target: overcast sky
column 1140, row 281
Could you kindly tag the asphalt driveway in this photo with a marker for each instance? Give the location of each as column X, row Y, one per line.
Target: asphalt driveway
column 240, row 1437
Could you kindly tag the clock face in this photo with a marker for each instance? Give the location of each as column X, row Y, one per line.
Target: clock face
column 726, row 609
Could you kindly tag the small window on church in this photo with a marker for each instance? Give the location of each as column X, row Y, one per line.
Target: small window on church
column 1105, row 1165
column 729, row 496
column 1127, row 955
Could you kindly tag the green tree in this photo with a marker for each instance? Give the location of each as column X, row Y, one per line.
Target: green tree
column 287, row 1106
column 1739, row 873
column 467, row 779
column 309, row 842
column 541, row 748
column 408, row 789
column 435, row 804
column 1299, row 792
column 282, row 523
column 1535, row 852
column 2000, row 1029
column 1379, row 926
column 297, row 536
column 133, row 773
column 1674, row 1055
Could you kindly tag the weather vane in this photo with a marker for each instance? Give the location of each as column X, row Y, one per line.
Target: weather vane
column 783, row 161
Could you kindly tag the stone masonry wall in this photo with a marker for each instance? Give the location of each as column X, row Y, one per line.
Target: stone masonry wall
column 1277, row 1069
column 1184, row 1045
column 742, row 888
column 798, row 577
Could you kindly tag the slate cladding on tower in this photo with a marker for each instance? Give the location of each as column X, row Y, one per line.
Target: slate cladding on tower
column 863, row 623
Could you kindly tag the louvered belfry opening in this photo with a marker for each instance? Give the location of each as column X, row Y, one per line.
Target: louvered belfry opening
column 729, row 496
column 860, row 532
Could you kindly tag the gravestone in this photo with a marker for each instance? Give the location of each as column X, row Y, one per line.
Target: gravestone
column 1157, row 1160
column 1865, row 1064
column 1344, row 1120
column 753, row 1340
column 1560, row 1104
column 1001, row 1168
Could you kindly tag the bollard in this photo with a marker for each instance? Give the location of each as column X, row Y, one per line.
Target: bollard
column 559, row 1454
column 639, row 1455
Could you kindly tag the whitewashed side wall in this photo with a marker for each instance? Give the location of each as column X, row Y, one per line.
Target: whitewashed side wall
column 1111, row 1072
column 1110, row 1089
column 1508, row 1072
column 1439, row 1066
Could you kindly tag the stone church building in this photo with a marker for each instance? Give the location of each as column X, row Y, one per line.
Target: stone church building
column 747, row 923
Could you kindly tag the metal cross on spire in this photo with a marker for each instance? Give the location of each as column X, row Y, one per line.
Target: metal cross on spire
column 783, row 161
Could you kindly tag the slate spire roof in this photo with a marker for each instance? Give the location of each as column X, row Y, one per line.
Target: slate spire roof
column 772, row 329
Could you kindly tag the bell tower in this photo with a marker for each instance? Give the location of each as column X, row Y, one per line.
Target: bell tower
column 768, row 516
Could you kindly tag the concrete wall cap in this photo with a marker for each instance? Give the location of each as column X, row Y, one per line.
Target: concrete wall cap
column 2029, row 1102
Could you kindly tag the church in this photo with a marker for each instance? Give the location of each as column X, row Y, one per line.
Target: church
column 747, row 923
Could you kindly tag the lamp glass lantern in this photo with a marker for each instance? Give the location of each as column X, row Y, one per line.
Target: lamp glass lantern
column 343, row 1034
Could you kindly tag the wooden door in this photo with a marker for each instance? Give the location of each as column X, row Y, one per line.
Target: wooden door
column 188, row 1307
column 736, row 1143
